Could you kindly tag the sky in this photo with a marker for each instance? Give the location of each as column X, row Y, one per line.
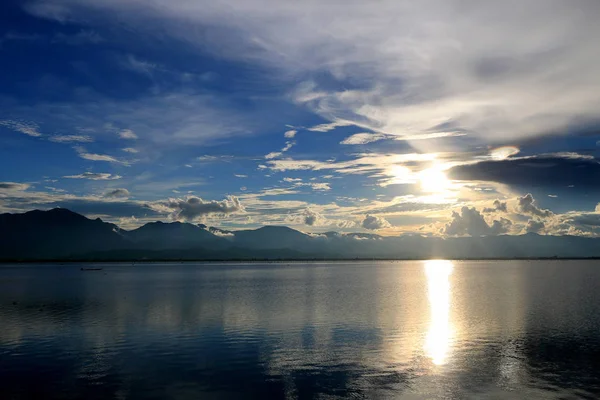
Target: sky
column 435, row 118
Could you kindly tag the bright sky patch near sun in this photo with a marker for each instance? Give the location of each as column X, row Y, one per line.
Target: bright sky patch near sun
column 432, row 118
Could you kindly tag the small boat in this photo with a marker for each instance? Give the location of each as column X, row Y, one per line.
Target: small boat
column 91, row 269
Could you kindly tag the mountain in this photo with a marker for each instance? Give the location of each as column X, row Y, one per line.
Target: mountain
column 175, row 235
column 55, row 233
column 60, row 234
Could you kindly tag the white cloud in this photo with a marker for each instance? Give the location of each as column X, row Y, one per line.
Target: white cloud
column 273, row 154
column 117, row 193
column 82, row 152
column 192, row 207
column 240, row 176
column 324, row 186
column 130, row 150
column 373, row 222
column 127, row 134
column 286, row 179
column 71, row 138
column 487, row 68
column 470, row 222
column 94, row 176
column 330, row 126
column 27, row 128
column 290, row 134
column 345, row 224
column 363, row 138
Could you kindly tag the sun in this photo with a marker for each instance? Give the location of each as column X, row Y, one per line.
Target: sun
column 433, row 180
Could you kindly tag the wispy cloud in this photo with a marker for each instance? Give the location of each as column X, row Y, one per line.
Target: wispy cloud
column 71, row 138
column 130, row 150
column 94, row 176
column 82, row 152
column 27, row 128
column 127, row 134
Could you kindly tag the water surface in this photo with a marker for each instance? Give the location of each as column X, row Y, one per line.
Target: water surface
column 409, row 330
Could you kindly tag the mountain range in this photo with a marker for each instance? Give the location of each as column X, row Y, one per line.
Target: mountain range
column 60, row 234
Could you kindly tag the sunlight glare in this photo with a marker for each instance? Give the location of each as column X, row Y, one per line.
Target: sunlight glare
column 438, row 288
column 433, row 180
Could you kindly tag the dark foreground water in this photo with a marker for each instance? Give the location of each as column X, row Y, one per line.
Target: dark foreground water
column 410, row 330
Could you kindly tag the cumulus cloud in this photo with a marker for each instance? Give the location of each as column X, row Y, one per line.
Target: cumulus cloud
column 94, row 176
column 363, row 138
column 535, row 226
column 311, row 217
column 14, row 186
column 192, row 207
column 526, row 205
column 26, row 128
column 373, row 222
column 499, row 206
column 71, row 138
column 345, row 224
column 117, row 193
column 290, row 134
column 469, row 221
column 127, row 134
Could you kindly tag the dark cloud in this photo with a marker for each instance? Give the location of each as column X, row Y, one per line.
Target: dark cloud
column 470, row 222
column 534, row 226
column 192, row 207
column 526, row 205
column 13, row 186
column 115, row 193
column 312, row 218
column 548, row 171
column 373, row 222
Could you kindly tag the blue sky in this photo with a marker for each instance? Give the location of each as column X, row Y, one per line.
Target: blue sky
column 433, row 118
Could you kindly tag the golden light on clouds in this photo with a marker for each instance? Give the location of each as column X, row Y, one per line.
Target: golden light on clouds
column 502, row 153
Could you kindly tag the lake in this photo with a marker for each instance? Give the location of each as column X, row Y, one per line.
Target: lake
column 406, row 330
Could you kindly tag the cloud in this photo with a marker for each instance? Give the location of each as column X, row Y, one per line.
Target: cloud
column 117, row 193
column 130, row 150
column 345, row 224
column 273, row 154
column 71, row 138
column 534, row 226
column 240, row 176
column 526, row 205
column 14, row 186
column 193, row 207
column 402, row 67
column 500, row 206
column 324, row 186
column 363, row 138
column 329, row 126
column 288, row 145
column 27, row 128
column 470, row 222
column 549, row 171
column 311, row 217
column 290, row 134
column 373, row 222
column 94, row 176
column 82, row 152
column 127, row 134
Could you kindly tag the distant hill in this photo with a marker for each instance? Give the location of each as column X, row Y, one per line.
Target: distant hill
column 60, row 234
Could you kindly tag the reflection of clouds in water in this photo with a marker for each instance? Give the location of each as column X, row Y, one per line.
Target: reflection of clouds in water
column 438, row 289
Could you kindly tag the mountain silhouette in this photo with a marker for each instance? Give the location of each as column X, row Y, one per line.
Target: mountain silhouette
column 60, row 234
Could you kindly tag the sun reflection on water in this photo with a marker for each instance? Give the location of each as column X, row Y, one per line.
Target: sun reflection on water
column 438, row 338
